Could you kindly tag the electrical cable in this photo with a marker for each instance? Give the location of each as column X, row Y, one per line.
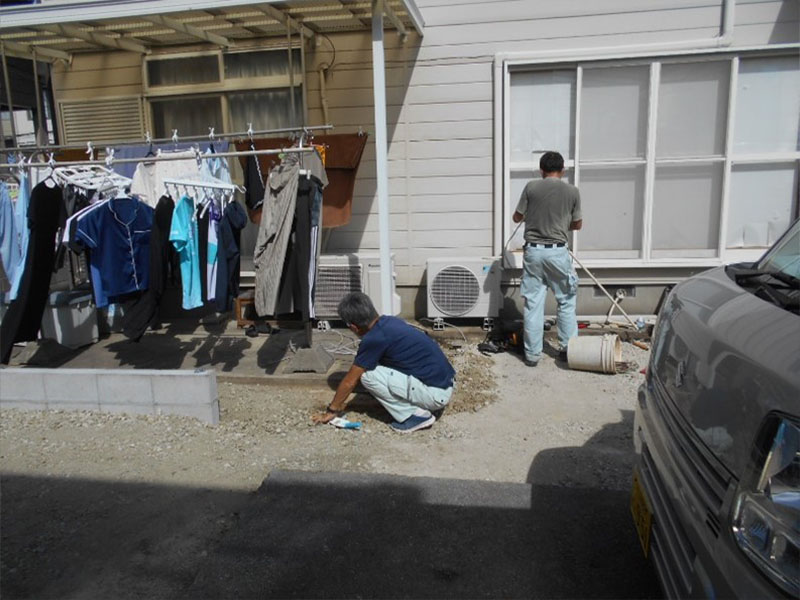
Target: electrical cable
column 505, row 248
column 343, row 346
column 333, row 58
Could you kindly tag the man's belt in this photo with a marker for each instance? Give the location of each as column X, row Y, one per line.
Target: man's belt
column 538, row 245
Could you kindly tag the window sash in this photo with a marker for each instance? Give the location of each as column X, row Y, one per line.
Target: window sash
column 723, row 154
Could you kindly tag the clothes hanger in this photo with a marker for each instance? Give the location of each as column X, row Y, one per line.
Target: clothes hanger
column 49, row 180
column 150, row 150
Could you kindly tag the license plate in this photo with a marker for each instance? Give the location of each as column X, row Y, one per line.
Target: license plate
column 642, row 513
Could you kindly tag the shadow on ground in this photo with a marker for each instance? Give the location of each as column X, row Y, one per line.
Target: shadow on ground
column 318, row 535
column 605, row 461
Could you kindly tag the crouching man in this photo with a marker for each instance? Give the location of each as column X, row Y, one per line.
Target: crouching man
column 398, row 364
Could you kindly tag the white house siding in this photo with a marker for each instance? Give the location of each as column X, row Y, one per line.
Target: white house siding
column 440, row 101
column 440, row 96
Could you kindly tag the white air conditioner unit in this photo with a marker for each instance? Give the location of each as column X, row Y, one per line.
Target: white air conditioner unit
column 340, row 274
column 464, row 287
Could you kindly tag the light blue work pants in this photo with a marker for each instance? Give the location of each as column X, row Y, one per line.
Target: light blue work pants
column 402, row 394
column 543, row 268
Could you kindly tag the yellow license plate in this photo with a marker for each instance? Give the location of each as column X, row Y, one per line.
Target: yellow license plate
column 642, row 513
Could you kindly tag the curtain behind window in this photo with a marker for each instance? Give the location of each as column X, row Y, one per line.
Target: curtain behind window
column 190, row 116
column 263, row 63
column 265, row 109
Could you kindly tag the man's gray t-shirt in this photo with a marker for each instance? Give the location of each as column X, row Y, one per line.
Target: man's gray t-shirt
column 549, row 206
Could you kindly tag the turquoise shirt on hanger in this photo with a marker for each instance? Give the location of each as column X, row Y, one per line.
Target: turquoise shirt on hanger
column 184, row 236
column 21, row 233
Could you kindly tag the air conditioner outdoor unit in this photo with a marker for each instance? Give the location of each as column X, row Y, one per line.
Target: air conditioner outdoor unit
column 464, row 287
column 340, row 274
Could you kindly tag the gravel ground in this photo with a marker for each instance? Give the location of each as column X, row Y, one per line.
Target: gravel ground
column 507, row 422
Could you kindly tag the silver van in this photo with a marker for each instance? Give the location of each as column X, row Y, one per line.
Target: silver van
column 716, row 487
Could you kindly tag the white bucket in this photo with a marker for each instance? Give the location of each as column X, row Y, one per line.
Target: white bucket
column 599, row 353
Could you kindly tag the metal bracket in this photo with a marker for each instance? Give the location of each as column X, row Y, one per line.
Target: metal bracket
column 323, row 326
column 438, row 324
column 488, row 324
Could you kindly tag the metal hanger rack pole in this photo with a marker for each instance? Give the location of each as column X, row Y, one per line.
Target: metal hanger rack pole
column 159, row 158
column 169, row 140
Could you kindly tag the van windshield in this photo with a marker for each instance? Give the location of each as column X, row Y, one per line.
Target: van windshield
column 784, row 257
column 776, row 277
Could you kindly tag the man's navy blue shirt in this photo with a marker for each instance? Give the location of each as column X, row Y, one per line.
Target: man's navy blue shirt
column 395, row 344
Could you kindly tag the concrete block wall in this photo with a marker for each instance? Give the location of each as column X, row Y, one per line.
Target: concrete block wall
column 132, row 391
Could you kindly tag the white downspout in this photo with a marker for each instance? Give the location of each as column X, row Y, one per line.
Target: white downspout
column 323, row 95
column 381, row 156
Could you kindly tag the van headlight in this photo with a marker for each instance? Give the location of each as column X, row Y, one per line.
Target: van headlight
column 766, row 518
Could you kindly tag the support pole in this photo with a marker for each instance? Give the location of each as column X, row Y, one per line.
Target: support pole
column 303, row 71
column 381, row 153
column 8, row 94
column 2, row 133
column 39, row 115
column 291, row 69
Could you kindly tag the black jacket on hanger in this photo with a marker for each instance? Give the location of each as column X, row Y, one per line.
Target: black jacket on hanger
column 142, row 312
column 46, row 213
column 254, row 184
column 229, row 246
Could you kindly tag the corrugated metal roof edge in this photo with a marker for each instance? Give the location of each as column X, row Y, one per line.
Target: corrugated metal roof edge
column 43, row 14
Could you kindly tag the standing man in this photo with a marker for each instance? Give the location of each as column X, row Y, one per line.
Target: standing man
column 400, row 366
column 551, row 209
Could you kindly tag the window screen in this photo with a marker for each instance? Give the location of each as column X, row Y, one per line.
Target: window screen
column 686, row 209
column 614, row 112
column 767, row 116
column 760, row 208
column 542, row 114
column 692, row 109
column 612, row 203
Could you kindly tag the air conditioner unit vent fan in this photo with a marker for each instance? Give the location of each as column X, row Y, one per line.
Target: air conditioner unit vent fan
column 455, row 290
column 334, row 282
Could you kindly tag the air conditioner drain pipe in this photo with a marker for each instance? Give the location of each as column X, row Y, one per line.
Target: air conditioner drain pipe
column 605, row 291
column 588, row 272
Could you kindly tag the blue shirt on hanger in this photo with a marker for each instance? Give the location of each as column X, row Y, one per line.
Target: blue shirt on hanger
column 19, row 245
column 184, row 236
column 118, row 234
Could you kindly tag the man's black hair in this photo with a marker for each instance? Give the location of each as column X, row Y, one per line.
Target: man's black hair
column 551, row 162
column 357, row 309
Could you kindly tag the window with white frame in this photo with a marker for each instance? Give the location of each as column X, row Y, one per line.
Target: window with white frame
column 680, row 160
column 192, row 92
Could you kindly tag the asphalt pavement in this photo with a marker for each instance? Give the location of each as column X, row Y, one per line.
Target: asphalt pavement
column 346, row 535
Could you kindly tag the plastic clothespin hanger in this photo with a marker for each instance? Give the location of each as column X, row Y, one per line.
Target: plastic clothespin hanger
column 175, row 138
column 109, row 158
column 51, row 162
column 198, row 155
column 250, row 135
column 90, row 150
column 149, row 141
